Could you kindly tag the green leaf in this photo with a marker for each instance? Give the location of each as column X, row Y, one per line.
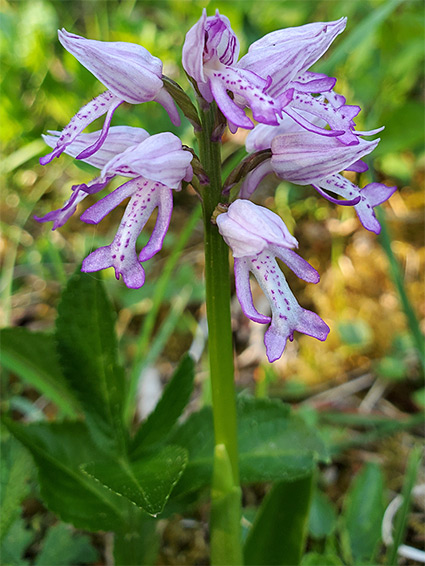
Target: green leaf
column 32, row 356
column 197, row 436
column 146, row 482
column 58, row 450
column 62, row 547
column 15, row 471
column 322, row 519
column 139, row 542
column 15, row 543
column 88, row 352
column 169, row 408
column 363, row 513
column 274, row 444
column 277, row 536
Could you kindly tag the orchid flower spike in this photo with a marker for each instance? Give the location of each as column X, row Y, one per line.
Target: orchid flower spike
column 310, row 159
column 130, row 73
column 156, row 165
column 272, row 79
column 257, row 237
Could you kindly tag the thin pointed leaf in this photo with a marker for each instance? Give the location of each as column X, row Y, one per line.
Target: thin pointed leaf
column 364, row 509
column 322, row 518
column 277, row 536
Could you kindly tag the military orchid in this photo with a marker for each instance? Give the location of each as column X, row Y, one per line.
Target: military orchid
column 301, row 130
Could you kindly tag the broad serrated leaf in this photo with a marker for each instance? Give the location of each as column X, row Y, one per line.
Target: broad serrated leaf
column 273, row 444
column 62, row 547
column 33, row 357
column 87, row 348
column 15, row 470
column 58, row 450
column 169, row 408
column 277, row 536
column 148, row 481
column 363, row 513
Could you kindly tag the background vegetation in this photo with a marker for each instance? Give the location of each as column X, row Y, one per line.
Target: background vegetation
column 369, row 372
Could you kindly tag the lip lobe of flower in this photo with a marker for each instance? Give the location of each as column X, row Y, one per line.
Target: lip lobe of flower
column 105, row 103
column 257, row 237
column 157, row 164
column 370, row 196
column 121, row 253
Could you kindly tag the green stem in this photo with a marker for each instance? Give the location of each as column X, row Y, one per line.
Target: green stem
column 225, row 539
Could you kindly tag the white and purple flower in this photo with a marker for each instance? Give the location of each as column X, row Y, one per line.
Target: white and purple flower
column 257, row 237
column 272, row 79
column 130, row 73
column 305, row 158
column 156, row 166
column 306, row 128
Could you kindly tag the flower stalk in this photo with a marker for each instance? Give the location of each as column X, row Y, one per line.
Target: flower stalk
column 226, row 501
